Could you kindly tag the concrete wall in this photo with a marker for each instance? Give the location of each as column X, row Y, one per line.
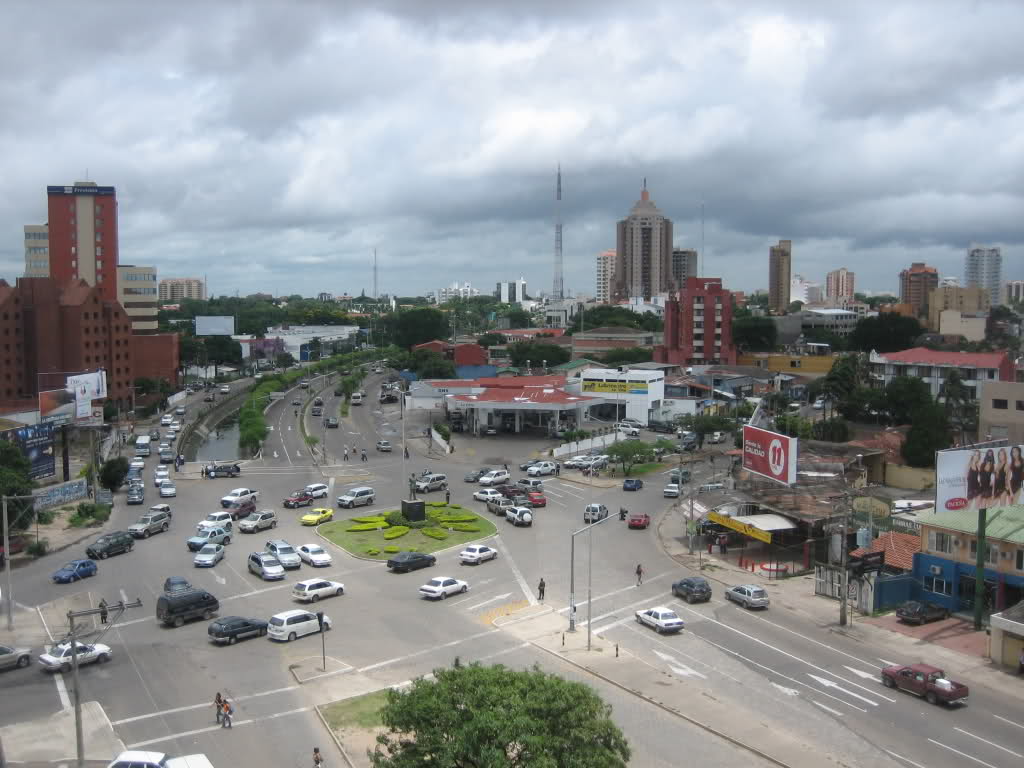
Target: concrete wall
column 910, row 478
column 580, row 446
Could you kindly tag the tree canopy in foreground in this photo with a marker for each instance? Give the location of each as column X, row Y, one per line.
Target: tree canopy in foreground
column 487, row 716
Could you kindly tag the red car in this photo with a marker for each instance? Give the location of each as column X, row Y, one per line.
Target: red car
column 639, row 520
column 298, row 499
column 537, row 499
column 925, row 681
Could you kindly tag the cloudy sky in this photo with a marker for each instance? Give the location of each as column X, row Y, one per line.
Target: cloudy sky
column 271, row 145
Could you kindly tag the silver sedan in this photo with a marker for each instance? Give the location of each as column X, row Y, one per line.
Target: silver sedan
column 209, row 556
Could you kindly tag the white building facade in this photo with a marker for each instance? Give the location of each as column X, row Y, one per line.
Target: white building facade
column 984, row 268
column 634, row 394
column 605, row 274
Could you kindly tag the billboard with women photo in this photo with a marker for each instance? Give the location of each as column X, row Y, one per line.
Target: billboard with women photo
column 979, row 478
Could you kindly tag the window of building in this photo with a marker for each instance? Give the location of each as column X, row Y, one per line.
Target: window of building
column 795, row 363
column 1020, row 559
column 991, row 553
column 999, row 404
column 938, row 585
column 940, row 542
column 99, row 250
column 1019, row 405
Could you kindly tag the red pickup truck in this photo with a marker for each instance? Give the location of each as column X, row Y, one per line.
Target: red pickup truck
column 926, row 681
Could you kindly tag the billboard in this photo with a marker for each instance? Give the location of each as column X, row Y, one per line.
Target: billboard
column 36, row 442
column 57, row 407
column 978, row 478
column 616, row 387
column 215, row 325
column 770, row 454
column 59, row 495
column 87, row 387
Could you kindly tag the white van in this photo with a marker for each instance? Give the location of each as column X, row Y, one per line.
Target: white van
column 628, row 429
column 142, row 445
column 357, row 398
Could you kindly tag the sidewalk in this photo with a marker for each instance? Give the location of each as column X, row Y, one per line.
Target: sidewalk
column 52, row 738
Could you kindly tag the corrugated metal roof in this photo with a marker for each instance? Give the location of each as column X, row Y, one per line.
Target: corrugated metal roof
column 1003, row 523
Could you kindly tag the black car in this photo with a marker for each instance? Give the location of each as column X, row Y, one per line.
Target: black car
column 174, row 584
column 332, row 423
column 223, row 470
column 318, row 401
column 527, row 464
column 232, row 628
column 113, row 543
column 317, row 411
column 632, row 484
column 476, row 474
column 914, row 612
column 694, row 589
column 136, row 495
column 404, row 562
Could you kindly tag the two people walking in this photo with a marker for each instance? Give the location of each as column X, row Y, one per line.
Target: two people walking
column 223, row 710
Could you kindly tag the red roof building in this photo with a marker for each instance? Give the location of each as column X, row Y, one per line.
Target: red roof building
column 933, row 367
column 899, row 549
column 460, row 354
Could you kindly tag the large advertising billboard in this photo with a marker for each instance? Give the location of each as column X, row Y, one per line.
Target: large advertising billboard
column 615, row 387
column 57, row 407
column 36, row 442
column 770, row 454
column 87, row 387
column 979, row 478
column 68, row 398
column 215, row 325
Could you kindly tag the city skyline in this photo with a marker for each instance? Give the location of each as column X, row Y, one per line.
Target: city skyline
column 233, row 160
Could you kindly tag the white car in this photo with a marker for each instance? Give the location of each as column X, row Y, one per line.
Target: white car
column 175, row 426
column 519, row 516
column 239, row 495
column 292, row 624
column 631, row 422
column 225, row 389
column 208, row 556
column 315, row 555
column 662, row 619
column 486, row 494
column 442, row 586
column 671, row 491
column 819, row 404
column 317, row 490
column 476, row 554
column 168, row 490
column 541, row 468
column 215, row 520
column 137, row 464
column 58, row 658
column 160, row 474
column 495, row 477
column 136, row 759
column 166, row 419
column 314, row 589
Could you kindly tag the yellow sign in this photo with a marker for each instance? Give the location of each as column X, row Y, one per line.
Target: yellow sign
column 736, row 525
column 616, row 387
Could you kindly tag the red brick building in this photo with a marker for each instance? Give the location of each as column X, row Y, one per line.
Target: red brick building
column 82, row 220
column 698, row 325
column 460, row 354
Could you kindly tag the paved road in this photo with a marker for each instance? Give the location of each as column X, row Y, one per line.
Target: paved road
column 797, row 679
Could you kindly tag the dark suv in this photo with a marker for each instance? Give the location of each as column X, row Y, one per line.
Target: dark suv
column 223, row 470
column 694, row 589
column 113, row 543
column 240, row 509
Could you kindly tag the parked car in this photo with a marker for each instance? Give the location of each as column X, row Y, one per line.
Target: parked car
column 487, row 494
column 314, row 555
column 403, row 562
column 432, row 482
column 168, row 490
column 536, row 499
column 265, row 565
column 363, row 496
column 519, row 516
column 290, row 625
column 150, row 523
column 311, row 590
column 717, row 437
column 671, row 491
column 59, row 657
column 679, row 477
column 258, row 521
column 207, row 536
column 632, row 484
column 11, row 657
column 113, row 543
column 495, row 477
column 541, row 468
column 711, row 487
column 225, row 389
column 74, row 571
column 497, row 506
column 476, row 474
column 915, row 612
column 926, row 681
column 748, row 595
column 476, row 554
column 317, row 516
column 299, row 498
column 384, row 445
column 215, row 520
column 693, row 589
column 239, row 494
column 318, row 490
column 208, row 556
column 660, row 619
column 639, row 520
column 230, row 629
column 442, row 586
column 594, row 512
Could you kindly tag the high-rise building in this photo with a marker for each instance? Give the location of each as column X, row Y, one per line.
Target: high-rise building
column 780, row 258
column 82, row 221
column 643, row 252
column 174, row 289
column 1013, row 292
column 984, row 268
column 698, row 325
column 137, row 293
column 684, row 266
column 839, row 284
column 455, row 291
column 37, row 250
column 804, row 291
column 916, row 283
column 605, row 276
column 967, row 301
column 512, row 292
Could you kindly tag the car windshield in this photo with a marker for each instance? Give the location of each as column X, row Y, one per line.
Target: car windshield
column 298, row 493
column 285, row 551
column 254, row 516
column 435, row 582
column 270, row 562
column 209, row 549
column 315, row 550
column 69, row 566
column 669, row 615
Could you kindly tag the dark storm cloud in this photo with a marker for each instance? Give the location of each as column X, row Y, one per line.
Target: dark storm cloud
column 273, row 145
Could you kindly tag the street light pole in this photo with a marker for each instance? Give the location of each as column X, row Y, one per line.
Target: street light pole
column 7, row 558
column 572, row 578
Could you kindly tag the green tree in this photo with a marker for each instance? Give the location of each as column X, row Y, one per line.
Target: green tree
column 429, row 365
column 491, row 339
column 929, row 432
column 536, row 353
column 420, row 325
column 754, row 334
column 469, row 716
column 519, row 318
column 888, row 332
column 15, row 481
column 628, row 453
column 223, row 350
column 284, row 360
column 961, row 409
column 626, row 355
column 794, row 306
column 113, row 472
column 904, row 395
column 825, row 336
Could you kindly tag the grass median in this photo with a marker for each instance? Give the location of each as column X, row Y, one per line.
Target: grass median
column 439, row 534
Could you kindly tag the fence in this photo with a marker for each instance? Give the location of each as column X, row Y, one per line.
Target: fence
column 580, row 446
column 59, row 495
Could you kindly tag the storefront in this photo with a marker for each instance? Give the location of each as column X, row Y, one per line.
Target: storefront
column 1006, row 644
column 634, row 394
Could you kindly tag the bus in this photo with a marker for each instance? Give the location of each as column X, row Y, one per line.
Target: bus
column 142, row 445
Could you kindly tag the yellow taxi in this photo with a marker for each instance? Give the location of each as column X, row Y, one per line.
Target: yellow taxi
column 317, row 516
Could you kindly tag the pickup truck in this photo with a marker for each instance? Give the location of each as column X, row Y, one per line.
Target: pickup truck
column 498, row 506
column 926, row 681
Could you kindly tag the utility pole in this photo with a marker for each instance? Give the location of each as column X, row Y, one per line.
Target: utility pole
column 979, row 570
column 73, row 639
column 7, row 557
column 844, row 577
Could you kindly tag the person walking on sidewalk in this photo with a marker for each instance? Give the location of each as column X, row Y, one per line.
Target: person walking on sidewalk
column 540, row 589
column 407, row 452
column 218, row 707
column 558, row 469
column 318, row 759
column 344, row 454
column 227, row 712
column 103, row 611
column 639, row 574
column 364, row 455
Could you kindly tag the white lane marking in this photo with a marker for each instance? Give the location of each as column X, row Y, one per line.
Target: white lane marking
column 629, row 608
column 862, row 673
column 530, row 597
column 275, row 454
column 962, row 754
column 549, row 492
column 606, row 627
column 887, row 663
column 124, row 596
column 830, row 684
column 685, row 671
column 835, row 712
column 220, row 579
column 1018, row 725
column 488, row 602
column 62, row 692
column 753, row 615
column 210, row 728
column 790, row 691
column 990, row 743
column 398, row 659
column 784, row 653
column 188, row 707
column 614, row 592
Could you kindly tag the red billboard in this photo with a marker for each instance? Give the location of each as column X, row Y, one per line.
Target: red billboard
column 770, row 454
